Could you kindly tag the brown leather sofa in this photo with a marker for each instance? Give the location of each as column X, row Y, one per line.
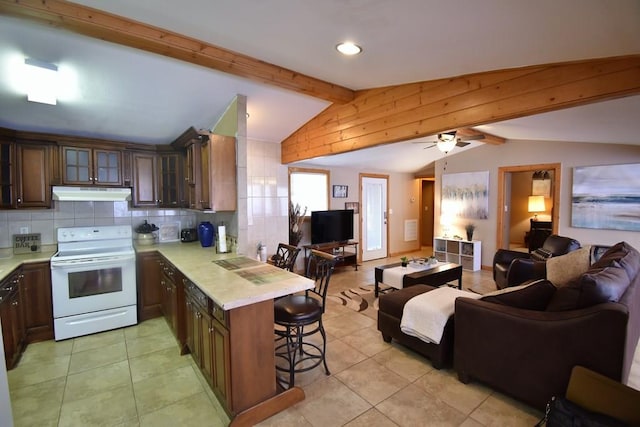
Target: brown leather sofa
column 511, row 268
column 526, row 342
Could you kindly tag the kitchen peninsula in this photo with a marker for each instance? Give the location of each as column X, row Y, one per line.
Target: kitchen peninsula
column 220, row 307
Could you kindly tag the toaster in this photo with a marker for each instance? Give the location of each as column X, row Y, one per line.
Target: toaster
column 188, row 235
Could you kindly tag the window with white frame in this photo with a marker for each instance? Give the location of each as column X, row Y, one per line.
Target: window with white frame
column 309, row 188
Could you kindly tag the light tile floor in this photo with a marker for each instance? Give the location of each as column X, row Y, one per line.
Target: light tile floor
column 135, row 377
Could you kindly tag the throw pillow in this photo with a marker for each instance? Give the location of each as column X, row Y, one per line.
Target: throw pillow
column 606, row 285
column 563, row 269
column 534, row 295
column 623, row 255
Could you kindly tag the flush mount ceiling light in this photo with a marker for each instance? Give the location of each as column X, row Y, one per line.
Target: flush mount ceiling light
column 41, row 80
column 446, row 141
column 348, row 48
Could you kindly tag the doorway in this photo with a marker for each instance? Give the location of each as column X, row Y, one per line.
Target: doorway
column 508, row 195
column 426, row 211
column 373, row 216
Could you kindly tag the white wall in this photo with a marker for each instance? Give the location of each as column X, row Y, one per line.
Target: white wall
column 514, row 153
column 402, row 188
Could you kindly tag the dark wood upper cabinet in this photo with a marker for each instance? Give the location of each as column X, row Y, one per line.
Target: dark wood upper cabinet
column 91, row 166
column 171, row 180
column 145, row 179
column 33, row 176
column 25, row 175
column 7, row 165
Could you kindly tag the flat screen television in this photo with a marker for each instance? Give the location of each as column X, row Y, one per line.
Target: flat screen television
column 331, row 226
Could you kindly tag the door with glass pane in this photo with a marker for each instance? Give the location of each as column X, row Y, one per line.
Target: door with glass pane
column 374, row 217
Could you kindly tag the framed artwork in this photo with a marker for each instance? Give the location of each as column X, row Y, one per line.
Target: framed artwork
column 352, row 205
column 541, row 187
column 169, row 232
column 606, row 197
column 340, row 191
column 465, row 195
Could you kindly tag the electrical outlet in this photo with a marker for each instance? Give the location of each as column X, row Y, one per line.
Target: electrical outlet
column 24, row 230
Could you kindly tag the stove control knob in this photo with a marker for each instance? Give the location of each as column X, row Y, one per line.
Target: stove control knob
column 64, row 234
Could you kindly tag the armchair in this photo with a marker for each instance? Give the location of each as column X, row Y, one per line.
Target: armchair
column 511, row 268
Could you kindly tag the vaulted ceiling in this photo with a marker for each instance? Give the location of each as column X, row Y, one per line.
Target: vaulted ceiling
column 283, row 59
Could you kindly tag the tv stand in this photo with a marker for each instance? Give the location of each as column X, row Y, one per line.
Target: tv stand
column 347, row 257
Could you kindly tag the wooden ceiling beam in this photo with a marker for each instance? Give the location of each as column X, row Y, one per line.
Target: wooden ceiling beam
column 399, row 113
column 98, row 24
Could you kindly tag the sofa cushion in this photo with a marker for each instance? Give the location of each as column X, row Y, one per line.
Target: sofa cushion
column 534, row 295
column 563, row 269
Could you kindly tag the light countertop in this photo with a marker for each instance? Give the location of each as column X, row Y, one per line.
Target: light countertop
column 247, row 282
column 252, row 282
column 10, row 263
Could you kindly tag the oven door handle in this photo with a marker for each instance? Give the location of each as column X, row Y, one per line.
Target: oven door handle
column 91, row 261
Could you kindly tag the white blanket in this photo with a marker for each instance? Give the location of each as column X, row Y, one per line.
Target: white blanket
column 393, row 276
column 425, row 315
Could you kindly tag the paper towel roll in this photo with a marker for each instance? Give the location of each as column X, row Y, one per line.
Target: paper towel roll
column 222, row 239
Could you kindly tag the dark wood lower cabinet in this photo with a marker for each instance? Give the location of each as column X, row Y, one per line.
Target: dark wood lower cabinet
column 148, row 281
column 11, row 316
column 208, row 340
column 35, row 293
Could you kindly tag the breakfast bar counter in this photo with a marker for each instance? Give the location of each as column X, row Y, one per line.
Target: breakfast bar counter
column 236, row 336
column 231, row 280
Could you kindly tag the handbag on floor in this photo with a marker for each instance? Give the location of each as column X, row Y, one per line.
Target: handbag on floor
column 561, row 412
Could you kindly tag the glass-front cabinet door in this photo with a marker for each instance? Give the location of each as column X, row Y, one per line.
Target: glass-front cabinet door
column 107, row 167
column 7, row 187
column 86, row 166
column 77, row 166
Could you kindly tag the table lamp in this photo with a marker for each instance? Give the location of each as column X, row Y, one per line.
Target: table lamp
column 535, row 205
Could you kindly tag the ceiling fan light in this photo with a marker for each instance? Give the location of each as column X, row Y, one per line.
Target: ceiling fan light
column 446, row 141
column 446, row 146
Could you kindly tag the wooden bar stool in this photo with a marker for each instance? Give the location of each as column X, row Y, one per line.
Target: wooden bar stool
column 295, row 312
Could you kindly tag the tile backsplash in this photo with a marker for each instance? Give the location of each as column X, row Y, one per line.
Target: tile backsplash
column 77, row 214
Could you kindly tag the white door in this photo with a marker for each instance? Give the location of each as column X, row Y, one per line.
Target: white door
column 374, row 218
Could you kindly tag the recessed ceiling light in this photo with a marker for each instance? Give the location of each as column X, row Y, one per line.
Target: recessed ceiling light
column 348, row 48
column 42, row 81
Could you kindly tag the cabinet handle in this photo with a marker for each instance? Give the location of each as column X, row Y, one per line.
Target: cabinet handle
column 14, row 303
column 210, row 329
column 19, row 200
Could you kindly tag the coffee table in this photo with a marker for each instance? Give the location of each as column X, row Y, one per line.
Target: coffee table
column 435, row 276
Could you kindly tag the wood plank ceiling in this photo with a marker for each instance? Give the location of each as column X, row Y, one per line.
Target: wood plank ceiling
column 375, row 116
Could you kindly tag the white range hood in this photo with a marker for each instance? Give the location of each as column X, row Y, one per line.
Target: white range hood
column 95, row 194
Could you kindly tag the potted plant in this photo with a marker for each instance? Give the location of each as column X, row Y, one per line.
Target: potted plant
column 296, row 218
column 469, row 228
column 404, row 260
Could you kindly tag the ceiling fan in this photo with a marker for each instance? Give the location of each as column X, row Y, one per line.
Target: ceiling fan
column 447, row 141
